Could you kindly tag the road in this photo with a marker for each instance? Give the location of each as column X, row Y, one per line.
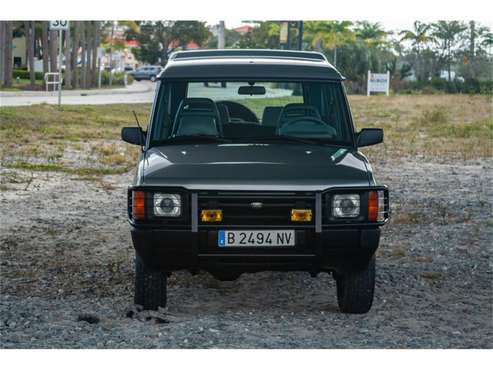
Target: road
column 138, row 92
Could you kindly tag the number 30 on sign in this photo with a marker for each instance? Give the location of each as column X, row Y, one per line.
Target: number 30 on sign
column 59, row 25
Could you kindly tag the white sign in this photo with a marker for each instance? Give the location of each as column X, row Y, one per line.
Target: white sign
column 59, row 25
column 101, row 53
column 378, row 82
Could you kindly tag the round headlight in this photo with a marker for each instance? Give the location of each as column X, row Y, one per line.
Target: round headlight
column 346, row 205
column 167, row 205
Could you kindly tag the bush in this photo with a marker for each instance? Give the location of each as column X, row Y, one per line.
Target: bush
column 24, row 74
column 118, row 79
column 440, row 85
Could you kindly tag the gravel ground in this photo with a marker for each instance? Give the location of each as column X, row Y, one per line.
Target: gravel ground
column 66, row 268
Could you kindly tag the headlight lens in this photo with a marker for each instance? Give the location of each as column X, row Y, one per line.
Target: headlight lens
column 346, row 205
column 167, row 205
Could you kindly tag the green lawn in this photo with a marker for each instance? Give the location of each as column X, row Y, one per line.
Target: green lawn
column 86, row 139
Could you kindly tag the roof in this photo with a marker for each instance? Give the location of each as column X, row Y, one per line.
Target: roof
column 243, row 29
column 248, row 64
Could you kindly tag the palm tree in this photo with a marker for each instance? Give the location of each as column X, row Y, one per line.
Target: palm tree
column 8, row 29
column 68, row 60
column 45, row 47
column 75, row 54
column 328, row 34
column 29, row 31
column 372, row 35
column 419, row 37
column 446, row 34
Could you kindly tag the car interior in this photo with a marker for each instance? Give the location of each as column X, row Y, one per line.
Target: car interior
column 318, row 114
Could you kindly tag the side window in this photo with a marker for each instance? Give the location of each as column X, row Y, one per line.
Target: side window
column 169, row 98
column 161, row 114
column 335, row 107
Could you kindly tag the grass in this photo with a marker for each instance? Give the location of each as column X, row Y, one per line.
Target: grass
column 82, row 140
column 85, row 140
column 428, row 126
column 22, row 84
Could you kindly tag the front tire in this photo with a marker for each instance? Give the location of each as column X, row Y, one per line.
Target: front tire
column 150, row 286
column 355, row 289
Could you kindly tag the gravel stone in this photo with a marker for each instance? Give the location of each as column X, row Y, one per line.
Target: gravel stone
column 66, row 253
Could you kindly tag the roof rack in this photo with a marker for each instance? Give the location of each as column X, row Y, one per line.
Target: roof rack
column 248, row 53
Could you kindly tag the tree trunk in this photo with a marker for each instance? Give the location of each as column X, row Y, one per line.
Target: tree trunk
column 75, row 56
column 29, row 28
column 83, row 63
column 221, row 41
column 90, row 45
column 2, row 52
column 8, row 29
column 68, row 61
column 44, row 48
column 472, row 40
column 448, row 64
column 95, row 44
column 53, row 51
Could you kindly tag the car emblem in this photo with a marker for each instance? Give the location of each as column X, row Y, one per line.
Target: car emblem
column 256, row 205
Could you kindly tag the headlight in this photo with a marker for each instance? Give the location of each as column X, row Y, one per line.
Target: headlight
column 346, row 205
column 167, row 205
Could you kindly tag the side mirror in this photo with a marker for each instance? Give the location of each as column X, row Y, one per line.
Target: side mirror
column 133, row 135
column 369, row 136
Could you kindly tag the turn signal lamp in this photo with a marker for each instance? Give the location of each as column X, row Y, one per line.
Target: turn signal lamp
column 211, row 215
column 301, row 215
column 138, row 205
column 372, row 206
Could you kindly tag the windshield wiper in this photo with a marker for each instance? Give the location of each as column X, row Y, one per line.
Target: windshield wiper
column 194, row 139
column 286, row 138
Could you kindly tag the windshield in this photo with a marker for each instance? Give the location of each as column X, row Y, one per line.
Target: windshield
column 236, row 111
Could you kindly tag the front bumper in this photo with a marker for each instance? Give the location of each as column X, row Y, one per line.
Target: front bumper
column 324, row 245
column 332, row 249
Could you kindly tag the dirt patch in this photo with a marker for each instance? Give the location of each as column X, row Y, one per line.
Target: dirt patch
column 66, row 258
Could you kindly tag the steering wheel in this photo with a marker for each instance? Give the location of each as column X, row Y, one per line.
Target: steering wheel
column 299, row 125
column 297, row 110
column 239, row 111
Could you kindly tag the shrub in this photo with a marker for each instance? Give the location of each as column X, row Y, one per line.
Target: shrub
column 24, row 74
column 437, row 85
column 118, row 79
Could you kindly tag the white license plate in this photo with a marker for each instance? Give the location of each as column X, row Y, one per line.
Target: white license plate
column 256, row 238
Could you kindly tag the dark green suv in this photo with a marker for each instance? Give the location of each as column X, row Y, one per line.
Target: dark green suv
column 251, row 163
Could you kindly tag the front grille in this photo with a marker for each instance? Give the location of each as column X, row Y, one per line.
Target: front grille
column 239, row 208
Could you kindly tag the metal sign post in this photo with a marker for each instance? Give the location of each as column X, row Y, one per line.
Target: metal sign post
column 59, row 26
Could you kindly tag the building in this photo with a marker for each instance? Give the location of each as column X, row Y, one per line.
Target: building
column 243, row 29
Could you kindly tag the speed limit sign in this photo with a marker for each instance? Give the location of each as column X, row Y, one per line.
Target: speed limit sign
column 59, row 25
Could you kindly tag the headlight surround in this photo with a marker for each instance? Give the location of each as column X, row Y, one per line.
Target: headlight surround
column 167, row 205
column 346, row 205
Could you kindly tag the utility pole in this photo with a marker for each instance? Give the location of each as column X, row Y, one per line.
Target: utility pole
column 221, row 41
column 60, row 79
column 300, row 35
column 111, row 48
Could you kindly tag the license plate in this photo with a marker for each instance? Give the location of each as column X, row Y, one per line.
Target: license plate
column 256, row 238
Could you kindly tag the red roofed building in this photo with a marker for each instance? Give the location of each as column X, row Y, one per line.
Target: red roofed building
column 190, row 45
column 243, row 29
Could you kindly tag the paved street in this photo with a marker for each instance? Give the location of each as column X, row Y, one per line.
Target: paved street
column 138, row 92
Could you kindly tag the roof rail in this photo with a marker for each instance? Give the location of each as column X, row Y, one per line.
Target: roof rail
column 248, row 53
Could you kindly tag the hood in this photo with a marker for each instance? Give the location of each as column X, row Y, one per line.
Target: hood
column 254, row 166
